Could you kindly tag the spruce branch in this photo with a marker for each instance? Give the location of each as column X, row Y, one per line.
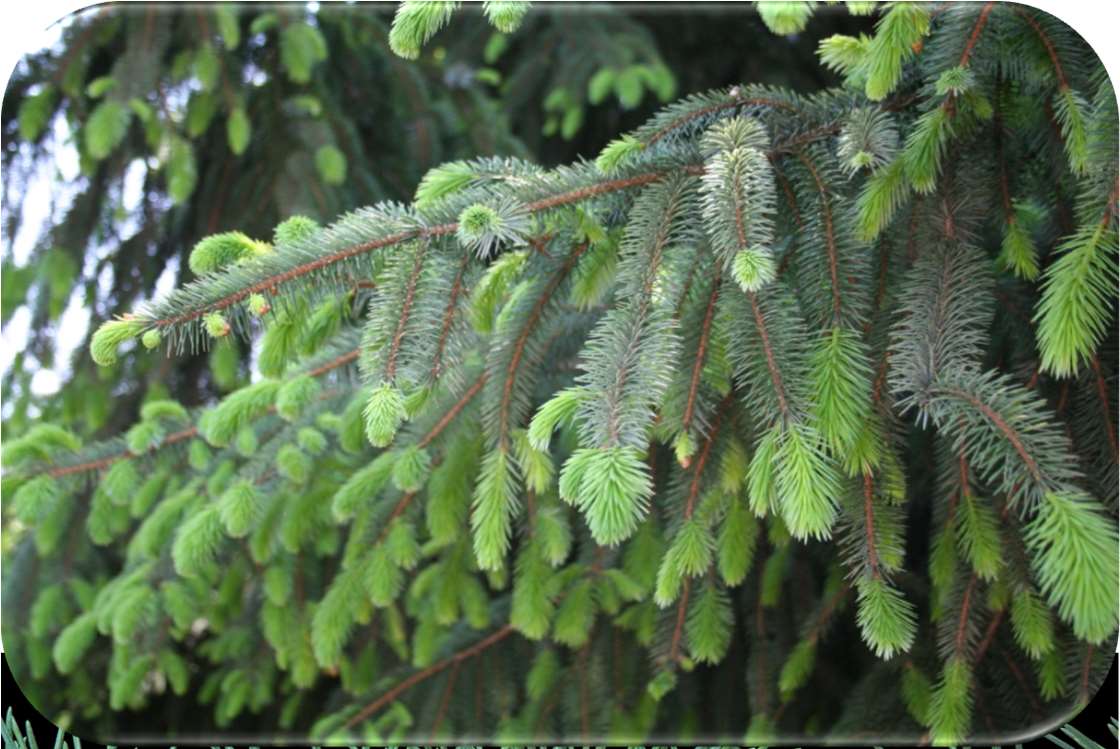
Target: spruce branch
column 701, row 353
column 1006, row 433
column 593, row 391
column 829, row 233
column 451, row 311
column 514, row 355
column 269, row 275
column 326, row 255
column 974, row 36
column 452, row 660
column 68, row 468
column 1106, row 408
column 1078, row 294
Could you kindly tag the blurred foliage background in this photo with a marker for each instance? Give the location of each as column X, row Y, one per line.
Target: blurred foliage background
column 145, row 127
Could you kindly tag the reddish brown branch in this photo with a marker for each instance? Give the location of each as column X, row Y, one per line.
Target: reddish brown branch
column 678, row 627
column 271, row 282
column 1005, row 428
column 523, row 339
column 962, row 622
column 406, row 312
column 791, row 198
column 701, row 350
column 962, row 466
column 583, row 193
column 881, row 286
column 452, row 412
column 335, row 363
column 698, row 472
column 989, row 635
column 686, row 288
column 791, row 202
column 829, row 233
column 869, row 525
column 427, row 673
column 399, row 508
column 809, row 136
column 1024, row 685
column 1102, row 393
column 1086, row 665
column 975, row 35
column 712, row 108
column 771, row 362
column 1050, row 50
column 448, row 318
column 445, row 700
column 881, row 378
column 1063, row 398
column 100, row 463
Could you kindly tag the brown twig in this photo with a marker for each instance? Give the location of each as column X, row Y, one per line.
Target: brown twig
column 701, row 350
column 454, row 659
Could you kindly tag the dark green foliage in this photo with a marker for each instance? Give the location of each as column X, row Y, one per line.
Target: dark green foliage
column 753, row 398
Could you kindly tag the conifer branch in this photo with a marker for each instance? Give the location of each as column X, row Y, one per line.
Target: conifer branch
column 602, row 188
column 960, row 638
column 832, row 605
column 455, row 659
column 448, row 318
column 684, row 119
column 989, row 634
column 771, row 360
column 881, row 285
column 702, row 460
column 869, row 524
column 339, row 361
column 445, row 700
column 271, row 283
column 1001, row 425
column 1106, row 408
column 678, row 622
column 182, row 434
column 406, row 309
column 1063, row 82
column 96, row 465
column 452, row 412
column 1083, row 695
column 701, row 351
column 791, row 199
column 527, row 328
column 981, row 21
column 829, row 234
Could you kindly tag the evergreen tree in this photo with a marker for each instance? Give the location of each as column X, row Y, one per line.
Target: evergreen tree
column 788, row 415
